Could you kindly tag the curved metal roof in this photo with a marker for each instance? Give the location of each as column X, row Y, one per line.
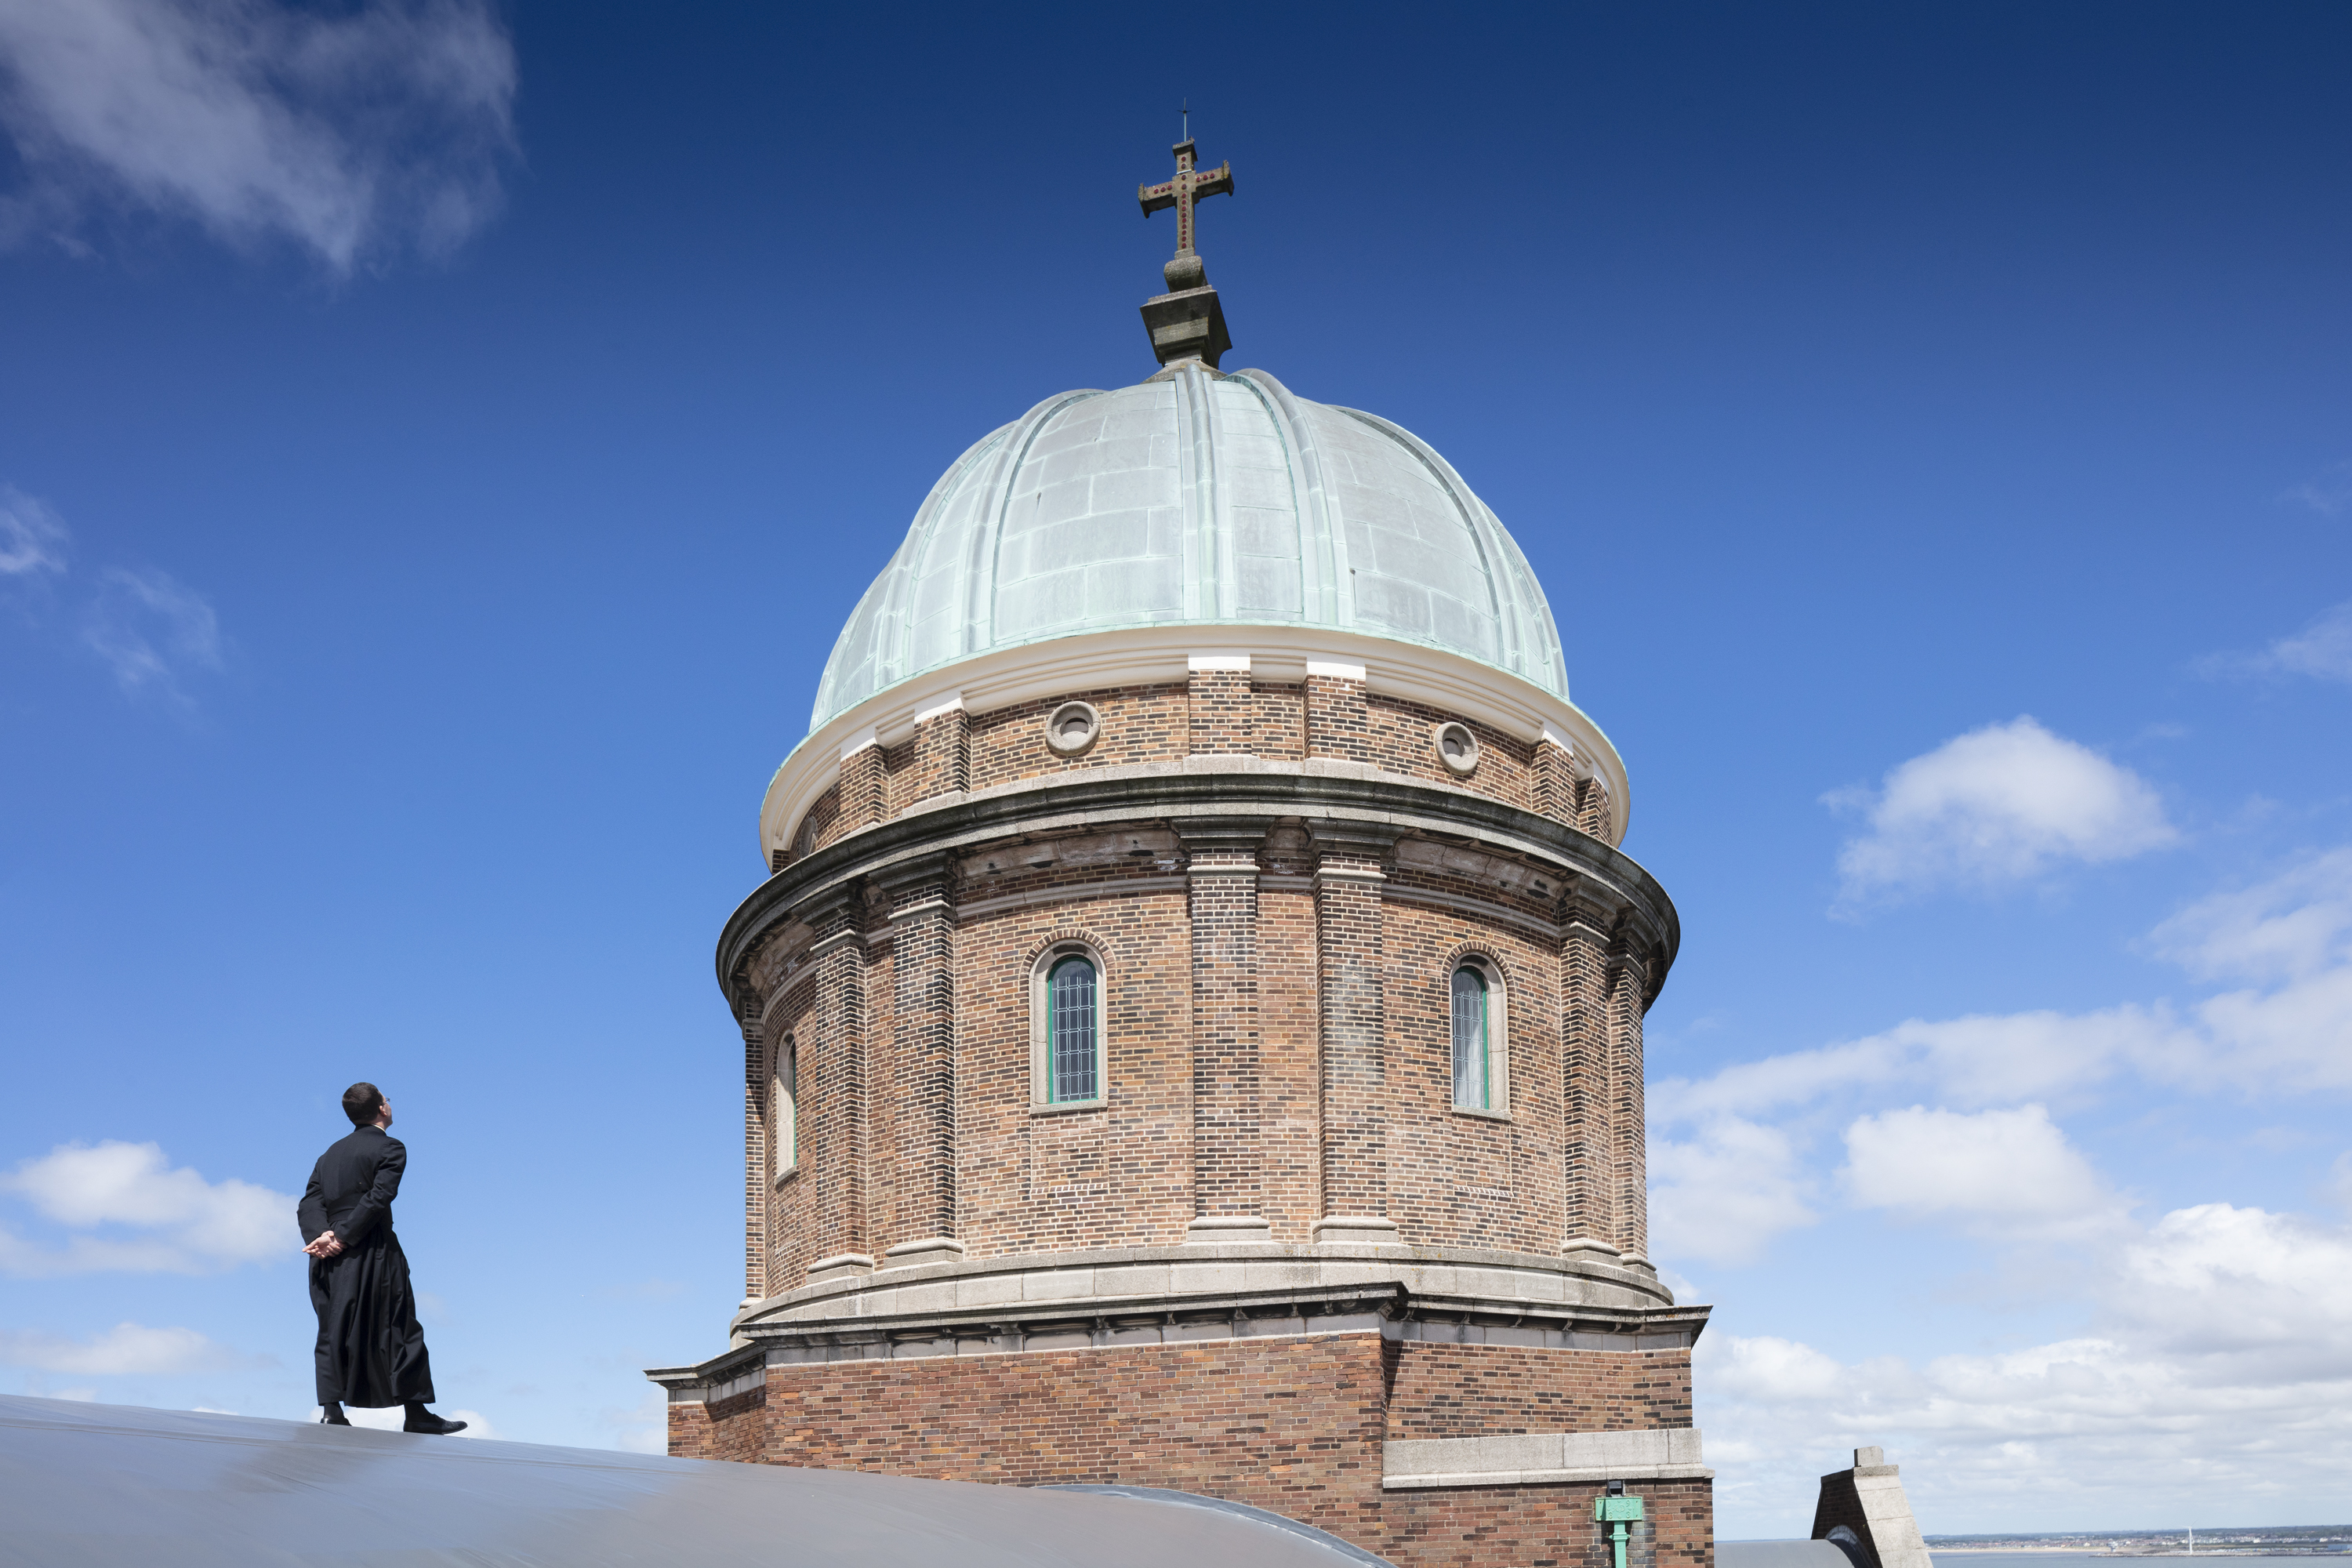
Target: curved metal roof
column 1195, row 498
column 97, row 1486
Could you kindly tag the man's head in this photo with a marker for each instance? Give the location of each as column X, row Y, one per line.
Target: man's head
column 365, row 1104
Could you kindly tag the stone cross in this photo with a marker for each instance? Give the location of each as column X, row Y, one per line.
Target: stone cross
column 1188, row 186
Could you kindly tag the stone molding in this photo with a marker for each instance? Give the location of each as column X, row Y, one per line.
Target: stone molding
column 1349, row 797
column 1254, row 1303
column 1513, row 1282
column 1537, row 1458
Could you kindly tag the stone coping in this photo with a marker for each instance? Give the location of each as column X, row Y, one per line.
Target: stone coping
column 1205, row 1266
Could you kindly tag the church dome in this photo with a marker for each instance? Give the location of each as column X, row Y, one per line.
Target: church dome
column 1195, row 498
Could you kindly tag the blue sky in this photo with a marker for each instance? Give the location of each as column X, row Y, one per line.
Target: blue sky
column 438, row 464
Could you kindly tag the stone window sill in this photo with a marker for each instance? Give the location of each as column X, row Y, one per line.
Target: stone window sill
column 1504, row 1115
column 1051, row 1108
column 786, row 1175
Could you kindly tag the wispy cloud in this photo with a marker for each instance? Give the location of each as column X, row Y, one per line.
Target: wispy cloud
column 180, row 1222
column 32, row 539
column 356, row 132
column 2328, row 494
column 1994, row 807
column 2322, row 650
column 124, row 1349
column 150, row 628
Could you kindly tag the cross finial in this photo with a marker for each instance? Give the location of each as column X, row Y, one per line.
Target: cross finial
column 1187, row 323
column 1191, row 184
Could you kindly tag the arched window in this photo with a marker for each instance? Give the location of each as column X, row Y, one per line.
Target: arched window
column 1065, row 1028
column 1481, row 1057
column 1471, row 1080
column 784, row 1098
column 1070, row 1006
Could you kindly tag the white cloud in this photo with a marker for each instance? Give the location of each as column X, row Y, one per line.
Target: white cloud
column 2294, row 925
column 193, row 1225
column 354, row 132
column 149, row 628
column 32, row 539
column 1982, row 1059
column 2011, row 1167
column 1998, row 805
column 2219, row 1362
column 125, row 1349
column 1724, row 1194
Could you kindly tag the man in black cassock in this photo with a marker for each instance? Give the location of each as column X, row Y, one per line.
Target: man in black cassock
column 371, row 1351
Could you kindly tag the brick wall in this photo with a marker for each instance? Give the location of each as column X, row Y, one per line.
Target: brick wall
column 1215, row 711
column 1294, row 1425
column 1488, row 1391
column 1240, row 1020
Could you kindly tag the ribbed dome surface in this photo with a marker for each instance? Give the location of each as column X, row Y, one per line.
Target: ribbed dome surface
column 1195, row 498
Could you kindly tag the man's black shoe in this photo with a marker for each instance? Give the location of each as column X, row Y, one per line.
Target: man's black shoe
column 431, row 1425
column 334, row 1420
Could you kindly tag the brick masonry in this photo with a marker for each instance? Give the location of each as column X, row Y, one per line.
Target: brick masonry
column 1295, row 1424
column 1275, row 993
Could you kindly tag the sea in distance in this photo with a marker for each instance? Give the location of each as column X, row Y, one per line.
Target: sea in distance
column 2062, row 1557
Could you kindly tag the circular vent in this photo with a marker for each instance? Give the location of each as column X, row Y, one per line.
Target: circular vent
column 1457, row 748
column 1073, row 727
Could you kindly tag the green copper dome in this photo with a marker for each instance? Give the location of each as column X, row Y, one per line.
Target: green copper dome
column 1195, row 498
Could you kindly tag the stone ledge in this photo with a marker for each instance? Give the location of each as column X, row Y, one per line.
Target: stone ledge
column 1521, row 1278
column 1550, row 1478
column 1533, row 1458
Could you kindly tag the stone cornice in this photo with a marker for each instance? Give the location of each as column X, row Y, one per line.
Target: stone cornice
column 1594, row 874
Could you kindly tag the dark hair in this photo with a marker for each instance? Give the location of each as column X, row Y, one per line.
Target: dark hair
column 361, row 1102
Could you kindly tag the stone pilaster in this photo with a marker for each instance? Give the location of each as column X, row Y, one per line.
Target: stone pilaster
column 1628, row 991
column 1556, row 779
column 865, row 787
column 942, row 755
column 1227, row 1071
column 1339, row 720
column 1222, row 710
column 834, row 1069
column 1353, row 1026
column 923, row 1076
column 1593, row 809
column 1588, row 1095
column 755, row 1145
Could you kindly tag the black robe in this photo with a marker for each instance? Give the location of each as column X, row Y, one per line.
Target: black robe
column 370, row 1353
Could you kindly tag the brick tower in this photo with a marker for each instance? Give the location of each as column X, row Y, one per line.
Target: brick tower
column 1192, row 1023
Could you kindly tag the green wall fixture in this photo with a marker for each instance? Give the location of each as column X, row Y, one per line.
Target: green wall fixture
column 1617, row 1511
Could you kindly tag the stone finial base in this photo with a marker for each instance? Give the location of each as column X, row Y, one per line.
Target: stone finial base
column 1868, row 1505
column 1187, row 325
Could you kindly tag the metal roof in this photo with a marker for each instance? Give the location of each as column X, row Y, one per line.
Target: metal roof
column 94, row 1486
column 1195, row 498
